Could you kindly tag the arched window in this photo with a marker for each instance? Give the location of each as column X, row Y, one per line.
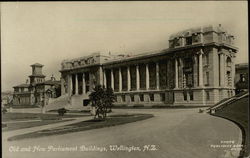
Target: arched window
column 228, row 61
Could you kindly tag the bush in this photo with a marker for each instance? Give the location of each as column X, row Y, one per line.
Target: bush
column 61, row 111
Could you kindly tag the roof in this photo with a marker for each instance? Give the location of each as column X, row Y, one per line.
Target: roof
column 22, row 86
column 133, row 57
column 194, row 30
column 49, row 82
column 241, row 65
column 37, row 75
column 37, row 64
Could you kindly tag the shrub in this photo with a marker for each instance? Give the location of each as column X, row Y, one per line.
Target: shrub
column 61, row 111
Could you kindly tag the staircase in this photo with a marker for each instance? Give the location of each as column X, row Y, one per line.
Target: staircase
column 226, row 102
column 57, row 103
column 76, row 102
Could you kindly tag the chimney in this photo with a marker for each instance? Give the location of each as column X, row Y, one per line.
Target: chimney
column 219, row 25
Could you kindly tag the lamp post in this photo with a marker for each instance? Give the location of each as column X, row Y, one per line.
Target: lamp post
column 43, row 103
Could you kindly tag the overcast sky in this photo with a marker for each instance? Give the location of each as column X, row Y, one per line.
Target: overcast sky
column 49, row 32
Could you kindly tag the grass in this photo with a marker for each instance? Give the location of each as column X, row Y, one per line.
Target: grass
column 21, row 125
column 157, row 106
column 85, row 125
column 34, row 116
column 238, row 113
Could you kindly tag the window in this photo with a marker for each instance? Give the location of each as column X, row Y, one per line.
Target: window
column 123, row 98
column 185, row 95
column 207, row 95
column 207, row 79
column 177, row 41
column 189, row 40
column 242, row 78
column 206, row 59
column 196, row 38
column 191, row 95
column 141, row 97
column 229, row 79
column 228, row 62
column 151, row 97
column 132, row 98
column 163, row 97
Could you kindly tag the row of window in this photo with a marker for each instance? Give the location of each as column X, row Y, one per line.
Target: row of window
column 141, row 97
column 187, row 40
column 191, row 95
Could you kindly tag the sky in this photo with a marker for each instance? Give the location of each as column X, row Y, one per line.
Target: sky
column 49, row 32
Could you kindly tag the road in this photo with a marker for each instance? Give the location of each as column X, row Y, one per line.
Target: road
column 176, row 133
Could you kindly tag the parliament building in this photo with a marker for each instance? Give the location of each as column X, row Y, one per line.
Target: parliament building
column 37, row 90
column 197, row 69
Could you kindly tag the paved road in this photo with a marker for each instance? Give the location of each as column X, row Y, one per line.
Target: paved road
column 177, row 133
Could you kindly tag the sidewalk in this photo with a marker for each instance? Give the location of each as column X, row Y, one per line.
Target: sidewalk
column 8, row 134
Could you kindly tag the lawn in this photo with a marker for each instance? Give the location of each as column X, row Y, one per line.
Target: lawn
column 21, row 125
column 238, row 113
column 85, row 125
column 10, row 120
column 35, row 116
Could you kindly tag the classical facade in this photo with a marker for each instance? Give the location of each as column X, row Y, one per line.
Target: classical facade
column 197, row 69
column 37, row 90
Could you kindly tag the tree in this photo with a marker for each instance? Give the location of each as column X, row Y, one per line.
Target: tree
column 102, row 99
column 109, row 98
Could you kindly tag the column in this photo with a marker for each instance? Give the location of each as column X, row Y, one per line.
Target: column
column 195, row 71
column 83, row 84
column 70, row 84
column 222, row 70
column 100, row 76
column 157, row 76
column 120, row 80
column 112, row 79
column 233, row 70
column 137, row 78
column 128, row 78
column 62, row 86
column 104, row 79
column 176, row 73
column 76, row 85
column 200, row 69
column 202, row 37
column 147, row 77
column 182, row 41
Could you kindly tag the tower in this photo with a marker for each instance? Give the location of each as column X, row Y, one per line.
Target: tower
column 37, row 75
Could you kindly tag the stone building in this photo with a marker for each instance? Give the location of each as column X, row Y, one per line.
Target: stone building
column 37, row 90
column 241, row 77
column 197, row 69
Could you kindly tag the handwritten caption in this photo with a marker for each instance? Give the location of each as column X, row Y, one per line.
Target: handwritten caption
column 83, row 148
